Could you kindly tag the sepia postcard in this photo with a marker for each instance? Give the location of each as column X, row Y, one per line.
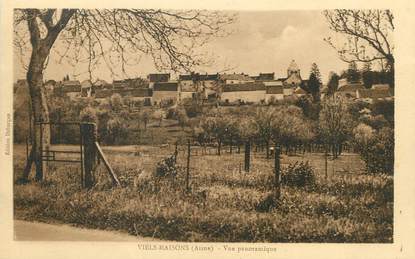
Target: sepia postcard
column 234, row 129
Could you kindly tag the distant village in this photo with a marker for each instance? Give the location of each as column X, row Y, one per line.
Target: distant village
column 228, row 89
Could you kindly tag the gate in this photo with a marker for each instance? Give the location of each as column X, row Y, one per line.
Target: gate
column 89, row 152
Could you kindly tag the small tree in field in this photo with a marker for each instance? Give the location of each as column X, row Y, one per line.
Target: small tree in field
column 216, row 127
column 114, row 129
column 335, row 124
column 116, row 102
column 158, row 115
column 182, row 117
column 263, row 120
column 290, row 128
column 246, row 129
column 145, row 117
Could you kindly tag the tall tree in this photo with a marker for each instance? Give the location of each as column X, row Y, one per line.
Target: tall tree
column 367, row 75
column 316, row 71
column 109, row 36
column 333, row 83
column 314, row 82
column 368, row 35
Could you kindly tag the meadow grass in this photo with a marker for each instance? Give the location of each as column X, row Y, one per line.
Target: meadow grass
column 348, row 206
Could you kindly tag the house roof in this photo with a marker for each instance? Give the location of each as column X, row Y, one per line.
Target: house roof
column 208, row 77
column 70, row 86
column 275, row 89
column 70, row 82
column 199, row 77
column 185, row 77
column 266, row 76
column 120, row 84
column 242, row 77
column 254, row 86
column 165, row 86
column 158, row 77
column 375, row 93
column 350, row 87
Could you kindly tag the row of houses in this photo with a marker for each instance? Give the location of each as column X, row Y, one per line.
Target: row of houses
column 158, row 88
column 358, row 91
column 227, row 88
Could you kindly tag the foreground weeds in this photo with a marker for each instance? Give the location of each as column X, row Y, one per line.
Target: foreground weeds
column 220, row 206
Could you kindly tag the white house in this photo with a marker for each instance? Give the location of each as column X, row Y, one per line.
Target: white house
column 273, row 93
column 248, row 92
column 165, row 91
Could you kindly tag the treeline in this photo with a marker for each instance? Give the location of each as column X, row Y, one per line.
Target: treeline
column 332, row 123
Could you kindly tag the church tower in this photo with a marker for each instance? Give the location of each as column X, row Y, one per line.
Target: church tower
column 293, row 69
column 293, row 76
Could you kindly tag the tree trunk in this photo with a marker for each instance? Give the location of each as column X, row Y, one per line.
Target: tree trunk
column 219, row 146
column 267, row 147
column 40, row 113
column 39, row 108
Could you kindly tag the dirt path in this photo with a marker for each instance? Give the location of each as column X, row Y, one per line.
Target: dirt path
column 36, row 231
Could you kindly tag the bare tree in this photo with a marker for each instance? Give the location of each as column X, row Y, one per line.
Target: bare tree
column 111, row 36
column 368, row 35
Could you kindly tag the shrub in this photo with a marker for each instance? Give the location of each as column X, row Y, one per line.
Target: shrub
column 89, row 114
column 385, row 108
column 166, row 167
column 298, row 174
column 194, row 109
column 362, row 135
column 378, row 153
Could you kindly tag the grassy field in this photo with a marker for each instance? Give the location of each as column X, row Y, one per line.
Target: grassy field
column 349, row 206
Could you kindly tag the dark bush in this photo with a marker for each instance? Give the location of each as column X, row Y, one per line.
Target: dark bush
column 298, row 174
column 378, row 153
column 194, row 109
column 166, row 167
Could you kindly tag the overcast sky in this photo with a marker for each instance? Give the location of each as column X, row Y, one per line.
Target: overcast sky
column 261, row 42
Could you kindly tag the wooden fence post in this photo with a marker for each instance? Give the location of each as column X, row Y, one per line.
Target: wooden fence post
column 247, row 155
column 188, row 165
column 277, row 170
column 88, row 135
column 325, row 162
column 27, row 148
column 176, row 152
column 230, row 146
